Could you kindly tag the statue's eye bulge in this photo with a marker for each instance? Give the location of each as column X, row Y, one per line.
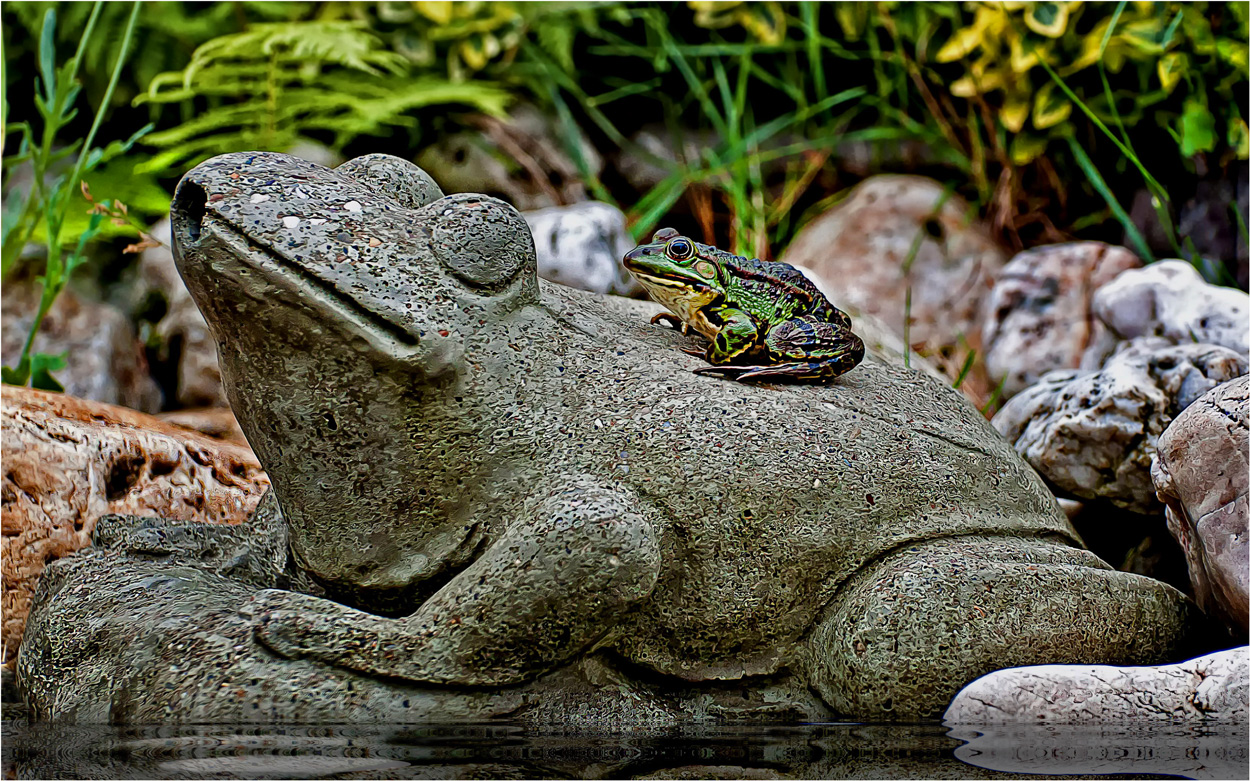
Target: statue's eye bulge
column 680, row 249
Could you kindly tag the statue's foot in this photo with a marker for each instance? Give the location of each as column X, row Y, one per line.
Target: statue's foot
column 297, row 626
column 907, row 632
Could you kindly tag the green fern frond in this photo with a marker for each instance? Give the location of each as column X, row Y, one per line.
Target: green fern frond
column 275, row 83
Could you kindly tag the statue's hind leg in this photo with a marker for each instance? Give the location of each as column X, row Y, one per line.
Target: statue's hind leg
column 909, row 631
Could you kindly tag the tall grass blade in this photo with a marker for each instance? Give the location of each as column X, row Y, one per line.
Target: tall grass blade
column 1095, row 179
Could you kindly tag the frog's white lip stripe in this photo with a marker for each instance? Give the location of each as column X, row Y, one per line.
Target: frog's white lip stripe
column 677, row 284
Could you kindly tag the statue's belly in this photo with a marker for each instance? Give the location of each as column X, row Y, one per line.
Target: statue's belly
column 731, row 615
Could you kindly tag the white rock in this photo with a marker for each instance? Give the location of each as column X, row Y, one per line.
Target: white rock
column 1209, row 688
column 1093, row 434
column 1037, row 316
column 582, row 245
column 1171, row 299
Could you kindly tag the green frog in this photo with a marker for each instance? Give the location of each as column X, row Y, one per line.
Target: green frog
column 764, row 320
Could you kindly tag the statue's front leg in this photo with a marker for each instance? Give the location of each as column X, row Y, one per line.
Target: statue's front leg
column 550, row 586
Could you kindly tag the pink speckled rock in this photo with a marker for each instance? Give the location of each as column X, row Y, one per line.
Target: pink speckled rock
column 1202, row 473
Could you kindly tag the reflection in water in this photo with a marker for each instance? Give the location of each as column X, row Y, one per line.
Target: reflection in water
column 1191, row 752
column 714, row 751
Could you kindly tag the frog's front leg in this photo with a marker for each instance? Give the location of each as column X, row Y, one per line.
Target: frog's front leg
column 551, row 585
column 737, row 335
column 806, row 348
column 672, row 321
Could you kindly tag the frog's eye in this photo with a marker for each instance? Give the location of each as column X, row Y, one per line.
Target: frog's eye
column 680, row 249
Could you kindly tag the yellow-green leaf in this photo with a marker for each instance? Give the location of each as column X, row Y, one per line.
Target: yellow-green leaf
column 766, row 21
column 1021, row 59
column 1024, row 149
column 1239, row 137
column 1015, row 111
column 713, row 14
column 1050, row 107
column 478, row 49
column 1049, row 19
column 437, row 11
column 962, row 43
column 977, row 82
column 1170, row 68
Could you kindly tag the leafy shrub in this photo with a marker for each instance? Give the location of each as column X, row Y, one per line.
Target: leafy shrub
column 47, row 202
column 271, row 86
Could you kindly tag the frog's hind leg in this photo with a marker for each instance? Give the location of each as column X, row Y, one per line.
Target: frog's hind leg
column 804, row 349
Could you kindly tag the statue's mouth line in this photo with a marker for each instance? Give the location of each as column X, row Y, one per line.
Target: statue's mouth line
column 309, row 286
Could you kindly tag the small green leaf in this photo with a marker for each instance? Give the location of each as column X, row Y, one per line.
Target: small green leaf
column 47, row 56
column 17, row 375
column 41, row 364
column 1239, row 137
column 1170, row 68
column 1197, row 128
column 1050, row 107
column 1025, row 148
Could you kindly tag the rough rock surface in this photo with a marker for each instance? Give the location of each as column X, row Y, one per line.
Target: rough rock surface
column 1210, row 688
column 521, row 160
column 1170, row 299
column 1038, row 316
column 535, row 481
column 104, row 358
column 1093, row 434
column 582, row 245
column 67, row 462
column 1202, row 475
column 216, row 422
column 894, row 233
column 183, row 333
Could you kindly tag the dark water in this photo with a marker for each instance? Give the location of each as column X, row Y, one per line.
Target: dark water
column 35, row 750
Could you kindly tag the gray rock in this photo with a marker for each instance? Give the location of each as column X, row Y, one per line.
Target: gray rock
column 1037, row 317
column 582, row 245
column 1170, row 299
column 1202, row 475
column 104, row 358
column 896, row 233
column 1210, row 688
column 567, row 524
column 1093, row 434
column 184, row 336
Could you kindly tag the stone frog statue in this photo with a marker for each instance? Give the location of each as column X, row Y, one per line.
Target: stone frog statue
column 491, row 477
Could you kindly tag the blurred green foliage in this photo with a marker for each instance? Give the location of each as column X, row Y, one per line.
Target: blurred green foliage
column 1035, row 111
column 44, row 205
column 272, row 85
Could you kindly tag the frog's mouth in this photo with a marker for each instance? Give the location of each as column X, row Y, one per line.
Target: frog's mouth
column 287, row 277
column 677, row 285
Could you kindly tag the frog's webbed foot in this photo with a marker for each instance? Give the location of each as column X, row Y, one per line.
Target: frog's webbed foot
column 672, row 321
column 695, row 351
column 547, row 588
